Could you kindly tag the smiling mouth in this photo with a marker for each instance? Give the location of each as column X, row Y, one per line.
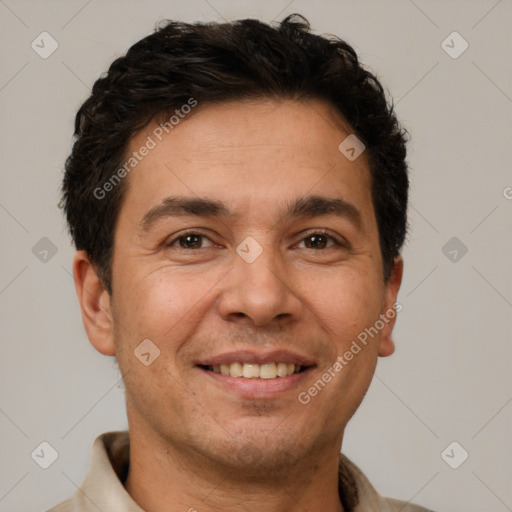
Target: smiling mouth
column 256, row 371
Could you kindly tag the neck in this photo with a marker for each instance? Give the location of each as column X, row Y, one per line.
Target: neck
column 163, row 477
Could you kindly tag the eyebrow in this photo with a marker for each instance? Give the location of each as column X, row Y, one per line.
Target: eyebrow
column 305, row 207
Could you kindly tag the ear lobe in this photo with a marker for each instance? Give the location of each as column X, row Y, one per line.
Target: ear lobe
column 389, row 309
column 94, row 304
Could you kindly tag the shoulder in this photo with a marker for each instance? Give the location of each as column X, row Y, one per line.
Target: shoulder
column 65, row 506
column 368, row 499
column 403, row 506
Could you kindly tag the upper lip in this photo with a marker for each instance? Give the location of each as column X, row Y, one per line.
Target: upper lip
column 257, row 357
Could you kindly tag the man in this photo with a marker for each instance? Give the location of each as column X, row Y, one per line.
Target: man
column 237, row 194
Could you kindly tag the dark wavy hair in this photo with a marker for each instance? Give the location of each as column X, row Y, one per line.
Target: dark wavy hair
column 215, row 62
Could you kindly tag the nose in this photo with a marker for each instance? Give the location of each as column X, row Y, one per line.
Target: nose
column 259, row 292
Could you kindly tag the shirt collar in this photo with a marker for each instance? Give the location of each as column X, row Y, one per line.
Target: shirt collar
column 103, row 487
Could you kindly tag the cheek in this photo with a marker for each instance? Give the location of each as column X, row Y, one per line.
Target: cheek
column 346, row 303
column 163, row 305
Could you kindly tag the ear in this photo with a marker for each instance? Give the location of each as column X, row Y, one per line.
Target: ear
column 389, row 308
column 94, row 304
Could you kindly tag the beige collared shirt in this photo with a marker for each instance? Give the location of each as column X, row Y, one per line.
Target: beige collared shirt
column 102, row 488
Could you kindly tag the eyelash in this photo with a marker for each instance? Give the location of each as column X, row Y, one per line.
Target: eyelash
column 312, row 233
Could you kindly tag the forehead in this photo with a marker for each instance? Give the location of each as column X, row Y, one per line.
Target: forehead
column 249, row 154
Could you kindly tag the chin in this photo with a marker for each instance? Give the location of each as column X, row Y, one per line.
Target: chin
column 257, row 455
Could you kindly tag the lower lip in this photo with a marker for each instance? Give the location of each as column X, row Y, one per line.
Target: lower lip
column 258, row 388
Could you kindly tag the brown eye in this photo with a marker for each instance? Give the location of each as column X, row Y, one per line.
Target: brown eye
column 320, row 240
column 316, row 241
column 188, row 241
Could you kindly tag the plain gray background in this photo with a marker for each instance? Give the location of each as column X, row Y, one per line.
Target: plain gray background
column 450, row 377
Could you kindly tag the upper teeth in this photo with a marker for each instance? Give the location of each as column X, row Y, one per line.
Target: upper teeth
column 256, row 371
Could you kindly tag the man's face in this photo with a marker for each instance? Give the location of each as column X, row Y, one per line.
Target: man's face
column 191, row 281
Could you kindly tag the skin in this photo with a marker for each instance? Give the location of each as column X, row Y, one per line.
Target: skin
column 197, row 443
